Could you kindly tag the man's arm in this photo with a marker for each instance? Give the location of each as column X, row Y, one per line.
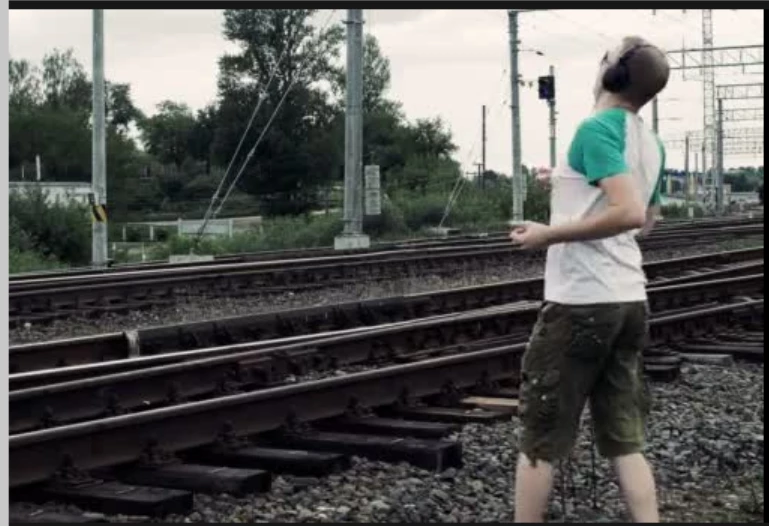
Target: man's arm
column 625, row 211
column 604, row 166
column 655, row 203
column 651, row 219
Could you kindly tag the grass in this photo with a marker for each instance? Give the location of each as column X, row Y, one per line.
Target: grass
column 29, row 261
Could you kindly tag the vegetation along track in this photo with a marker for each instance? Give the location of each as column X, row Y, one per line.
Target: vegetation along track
column 372, row 413
column 60, row 297
column 300, row 322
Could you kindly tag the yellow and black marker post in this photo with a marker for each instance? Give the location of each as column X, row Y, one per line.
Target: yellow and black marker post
column 98, row 212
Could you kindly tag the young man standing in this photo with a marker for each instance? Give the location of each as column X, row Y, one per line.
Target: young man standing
column 588, row 340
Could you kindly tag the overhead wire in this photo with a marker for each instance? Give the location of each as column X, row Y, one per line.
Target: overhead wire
column 211, row 215
column 461, row 179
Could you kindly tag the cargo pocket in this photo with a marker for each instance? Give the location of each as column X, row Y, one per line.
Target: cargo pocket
column 539, row 400
column 592, row 330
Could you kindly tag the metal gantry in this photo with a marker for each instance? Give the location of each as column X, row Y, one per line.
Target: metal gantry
column 704, row 61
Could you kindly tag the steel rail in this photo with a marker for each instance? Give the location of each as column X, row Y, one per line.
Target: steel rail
column 238, row 367
column 36, row 456
column 294, row 322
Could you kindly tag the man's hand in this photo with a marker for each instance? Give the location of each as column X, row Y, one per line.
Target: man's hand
column 531, row 235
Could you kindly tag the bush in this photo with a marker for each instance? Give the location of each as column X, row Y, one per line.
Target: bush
column 277, row 234
column 680, row 211
column 29, row 261
column 55, row 231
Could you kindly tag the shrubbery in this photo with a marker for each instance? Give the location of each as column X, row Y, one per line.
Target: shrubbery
column 48, row 236
column 42, row 235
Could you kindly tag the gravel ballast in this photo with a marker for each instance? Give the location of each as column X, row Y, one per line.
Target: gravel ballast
column 196, row 308
column 705, row 443
column 705, row 438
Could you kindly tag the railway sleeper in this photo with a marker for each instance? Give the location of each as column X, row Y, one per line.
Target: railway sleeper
column 431, row 454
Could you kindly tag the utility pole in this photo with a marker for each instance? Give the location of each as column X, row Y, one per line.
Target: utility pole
column 352, row 235
column 515, row 110
column 689, row 180
column 98, row 148
column 655, row 115
column 720, row 158
column 483, row 138
column 551, row 106
column 709, row 160
column 480, row 174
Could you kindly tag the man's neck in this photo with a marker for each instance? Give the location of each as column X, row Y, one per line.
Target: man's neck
column 607, row 101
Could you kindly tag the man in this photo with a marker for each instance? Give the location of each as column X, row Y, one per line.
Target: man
column 588, row 340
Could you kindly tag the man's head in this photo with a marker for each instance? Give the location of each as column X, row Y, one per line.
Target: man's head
column 635, row 71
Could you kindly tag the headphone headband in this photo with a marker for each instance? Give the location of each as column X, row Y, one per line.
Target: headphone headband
column 617, row 76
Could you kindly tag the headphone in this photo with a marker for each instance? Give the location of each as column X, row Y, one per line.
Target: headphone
column 617, row 77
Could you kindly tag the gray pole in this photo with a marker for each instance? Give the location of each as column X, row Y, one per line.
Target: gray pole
column 98, row 146
column 688, row 179
column 515, row 110
column 353, row 167
column 483, row 139
column 720, row 159
column 551, row 105
column 655, row 115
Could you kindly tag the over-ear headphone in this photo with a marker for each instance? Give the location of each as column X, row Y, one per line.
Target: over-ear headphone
column 617, row 76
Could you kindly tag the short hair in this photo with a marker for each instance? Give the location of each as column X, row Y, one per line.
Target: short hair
column 648, row 68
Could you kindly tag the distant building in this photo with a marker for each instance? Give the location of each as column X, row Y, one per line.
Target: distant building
column 56, row 192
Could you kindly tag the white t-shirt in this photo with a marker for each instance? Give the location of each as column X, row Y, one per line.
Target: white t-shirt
column 609, row 270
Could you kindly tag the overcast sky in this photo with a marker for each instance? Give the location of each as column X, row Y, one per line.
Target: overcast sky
column 444, row 63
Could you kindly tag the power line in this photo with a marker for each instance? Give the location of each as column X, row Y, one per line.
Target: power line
column 250, row 154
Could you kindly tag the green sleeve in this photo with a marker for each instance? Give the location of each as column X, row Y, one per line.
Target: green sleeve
column 602, row 151
column 656, row 199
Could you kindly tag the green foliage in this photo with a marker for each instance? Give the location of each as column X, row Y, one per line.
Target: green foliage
column 54, row 231
column 675, row 211
column 276, row 234
column 30, row 261
column 167, row 133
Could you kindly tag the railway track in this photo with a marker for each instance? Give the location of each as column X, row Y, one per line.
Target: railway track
column 396, row 412
column 142, row 434
column 301, row 322
column 139, row 384
column 450, row 241
column 39, row 300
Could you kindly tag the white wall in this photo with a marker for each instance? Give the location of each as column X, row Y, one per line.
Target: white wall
column 62, row 192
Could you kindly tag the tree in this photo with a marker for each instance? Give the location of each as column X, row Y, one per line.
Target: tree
column 428, row 138
column 376, row 78
column 166, row 134
column 24, row 90
column 281, row 39
column 65, row 82
column 120, row 109
column 296, row 154
column 201, row 138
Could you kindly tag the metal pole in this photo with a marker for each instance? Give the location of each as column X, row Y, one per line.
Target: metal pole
column 689, row 180
column 551, row 105
column 655, row 115
column 515, row 110
column 98, row 145
column 353, row 167
column 720, row 205
column 483, row 139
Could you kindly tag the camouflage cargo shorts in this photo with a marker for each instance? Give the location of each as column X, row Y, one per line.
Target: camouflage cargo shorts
column 580, row 353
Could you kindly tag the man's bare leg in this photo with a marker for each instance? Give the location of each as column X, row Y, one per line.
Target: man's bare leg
column 637, row 483
column 532, row 489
